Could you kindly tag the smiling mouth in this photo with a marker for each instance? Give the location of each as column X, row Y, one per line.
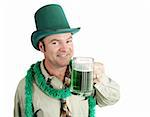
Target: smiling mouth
column 62, row 55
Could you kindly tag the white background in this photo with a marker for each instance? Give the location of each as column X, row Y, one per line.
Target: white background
column 114, row 32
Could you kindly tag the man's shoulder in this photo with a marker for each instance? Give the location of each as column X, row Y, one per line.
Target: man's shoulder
column 22, row 81
column 20, row 89
column 21, row 84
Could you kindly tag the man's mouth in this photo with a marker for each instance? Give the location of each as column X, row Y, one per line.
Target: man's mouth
column 62, row 55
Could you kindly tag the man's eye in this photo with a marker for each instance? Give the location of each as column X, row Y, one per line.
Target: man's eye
column 54, row 43
column 69, row 41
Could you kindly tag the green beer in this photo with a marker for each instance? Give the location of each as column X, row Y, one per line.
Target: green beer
column 82, row 76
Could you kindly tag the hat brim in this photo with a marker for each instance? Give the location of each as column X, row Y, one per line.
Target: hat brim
column 40, row 34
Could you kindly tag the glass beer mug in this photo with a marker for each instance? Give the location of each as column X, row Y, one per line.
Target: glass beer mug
column 82, row 76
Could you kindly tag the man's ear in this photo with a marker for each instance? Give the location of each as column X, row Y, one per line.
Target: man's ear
column 41, row 47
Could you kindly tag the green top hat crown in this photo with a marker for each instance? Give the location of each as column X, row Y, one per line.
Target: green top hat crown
column 49, row 20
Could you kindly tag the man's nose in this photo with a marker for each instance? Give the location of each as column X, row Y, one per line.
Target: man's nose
column 63, row 48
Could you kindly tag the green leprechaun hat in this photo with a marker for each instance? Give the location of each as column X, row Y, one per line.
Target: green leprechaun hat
column 50, row 19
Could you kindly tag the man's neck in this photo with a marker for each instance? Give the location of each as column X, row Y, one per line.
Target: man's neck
column 52, row 70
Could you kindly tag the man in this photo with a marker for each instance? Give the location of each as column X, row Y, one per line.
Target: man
column 44, row 92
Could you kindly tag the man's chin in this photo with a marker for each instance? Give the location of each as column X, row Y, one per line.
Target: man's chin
column 65, row 62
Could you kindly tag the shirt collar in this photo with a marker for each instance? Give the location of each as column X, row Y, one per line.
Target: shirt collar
column 55, row 82
column 44, row 72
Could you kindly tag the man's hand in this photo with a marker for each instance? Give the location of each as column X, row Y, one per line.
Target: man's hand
column 98, row 71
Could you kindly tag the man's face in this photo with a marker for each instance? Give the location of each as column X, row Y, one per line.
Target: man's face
column 58, row 49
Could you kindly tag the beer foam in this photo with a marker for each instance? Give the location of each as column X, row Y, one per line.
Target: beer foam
column 83, row 67
column 83, row 64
